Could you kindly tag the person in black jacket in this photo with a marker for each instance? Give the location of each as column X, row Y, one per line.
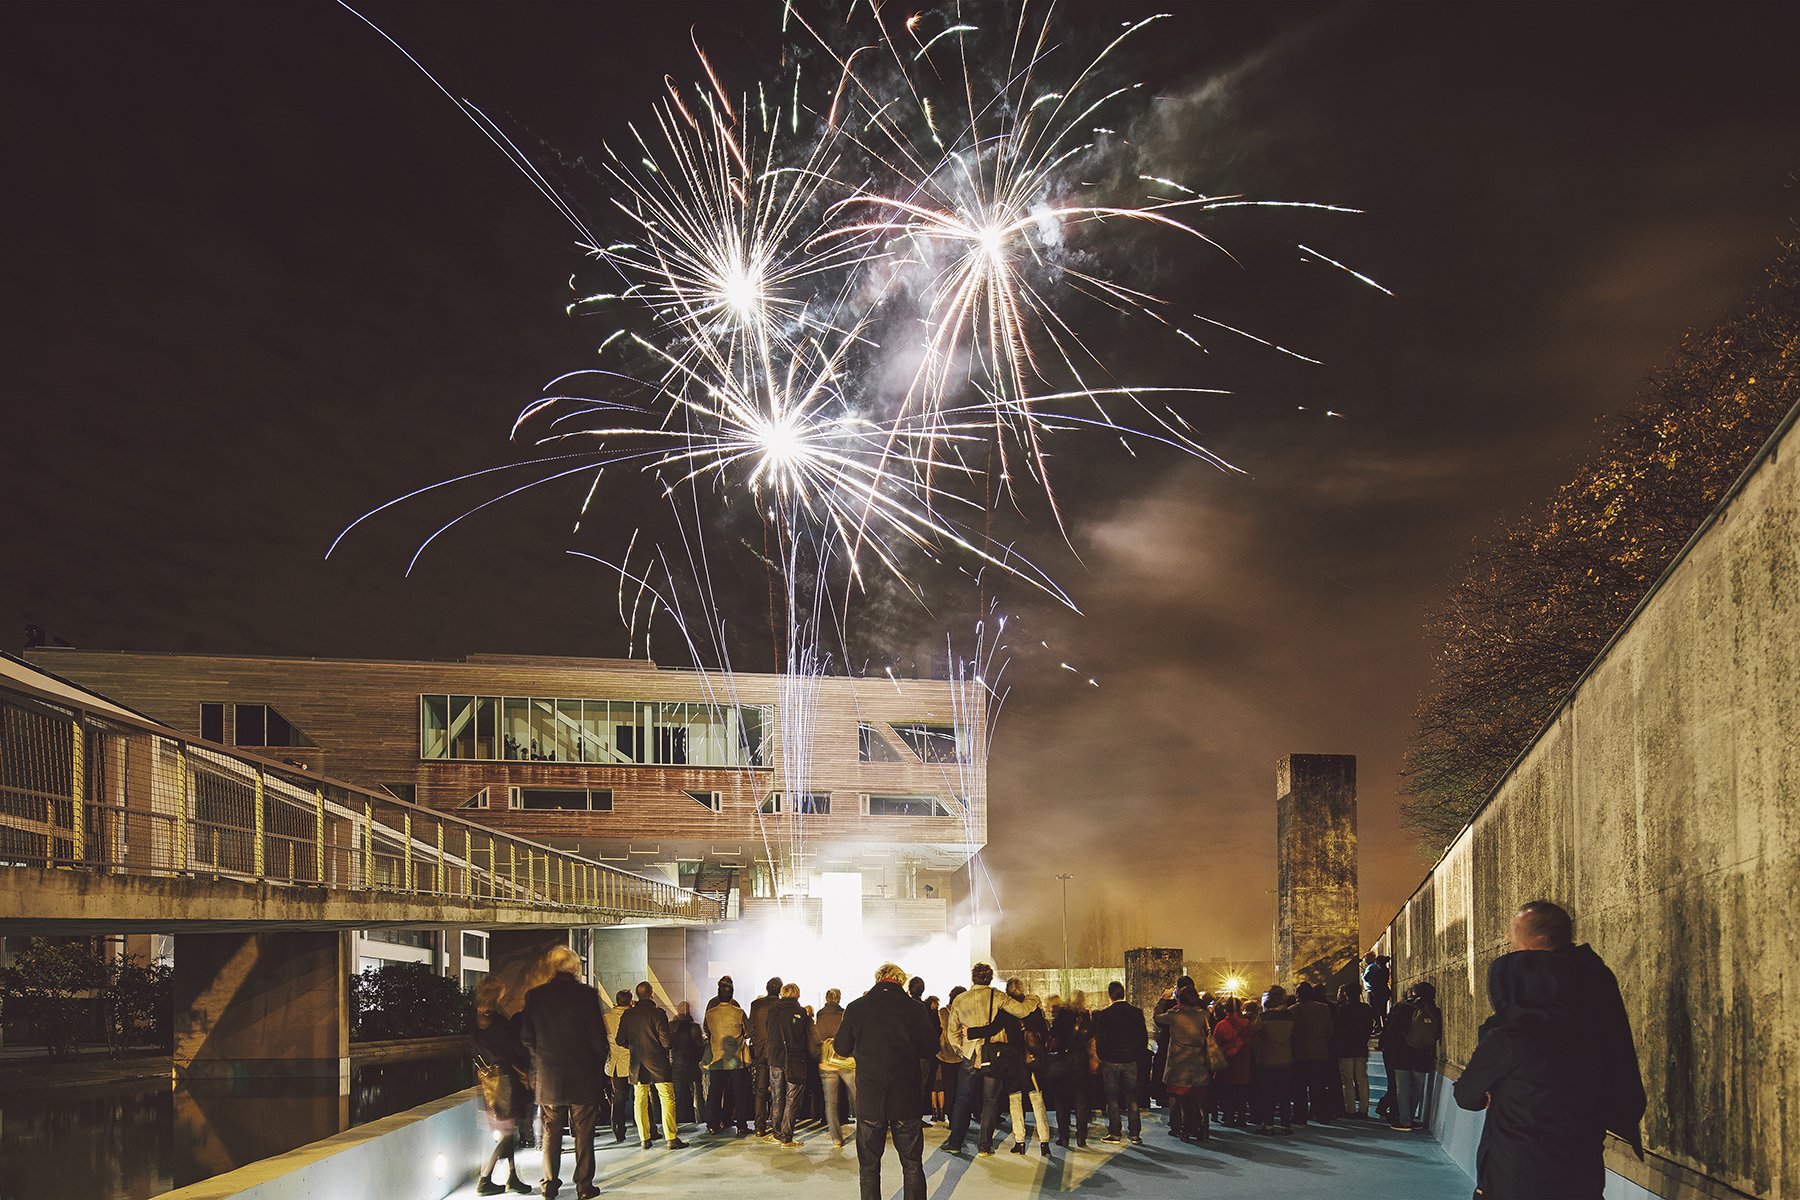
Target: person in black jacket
column 887, row 1032
column 1544, row 1134
column 504, row 1068
column 1377, row 979
column 1594, row 998
column 644, row 1030
column 1409, row 1042
column 1351, row 1023
column 1120, row 1039
column 563, row 1029
column 788, row 1029
column 756, row 1036
column 686, row 1044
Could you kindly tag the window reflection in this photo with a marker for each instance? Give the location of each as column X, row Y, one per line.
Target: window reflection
column 542, row 729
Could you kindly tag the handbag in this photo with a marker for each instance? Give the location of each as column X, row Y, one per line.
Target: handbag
column 497, row 1090
column 831, row 1060
column 1215, row 1056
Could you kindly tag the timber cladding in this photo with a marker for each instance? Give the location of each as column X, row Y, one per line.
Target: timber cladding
column 363, row 717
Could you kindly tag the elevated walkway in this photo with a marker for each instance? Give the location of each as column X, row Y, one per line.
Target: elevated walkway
column 112, row 823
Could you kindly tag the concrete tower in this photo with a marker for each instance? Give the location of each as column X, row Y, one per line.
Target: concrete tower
column 1317, row 923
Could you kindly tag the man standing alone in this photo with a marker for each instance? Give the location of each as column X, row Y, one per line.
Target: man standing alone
column 888, row 1032
column 1120, row 1036
column 561, row 1026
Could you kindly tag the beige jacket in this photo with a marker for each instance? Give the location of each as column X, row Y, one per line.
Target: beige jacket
column 618, row 1063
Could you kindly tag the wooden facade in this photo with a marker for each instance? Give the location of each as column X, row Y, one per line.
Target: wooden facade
column 362, row 719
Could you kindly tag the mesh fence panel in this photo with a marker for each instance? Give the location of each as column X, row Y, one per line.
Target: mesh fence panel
column 85, row 790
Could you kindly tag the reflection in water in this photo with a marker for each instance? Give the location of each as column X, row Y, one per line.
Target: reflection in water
column 131, row 1141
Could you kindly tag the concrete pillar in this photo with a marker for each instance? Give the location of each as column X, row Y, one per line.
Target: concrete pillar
column 262, row 1006
column 620, row 959
column 1317, row 921
column 1149, row 972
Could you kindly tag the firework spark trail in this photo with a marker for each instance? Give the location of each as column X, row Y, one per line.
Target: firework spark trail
column 852, row 316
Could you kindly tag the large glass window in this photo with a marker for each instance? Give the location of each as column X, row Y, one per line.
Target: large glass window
column 543, row 729
column 672, row 734
column 934, row 743
column 434, row 727
column 872, row 747
column 515, row 726
column 568, row 731
column 212, row 722
column 487, row 721
column 252, row 725
column 816, row 804
column 462, row 727
column 907, row 806
column 564, row 799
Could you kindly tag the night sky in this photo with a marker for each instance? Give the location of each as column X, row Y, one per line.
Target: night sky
column 260, row 276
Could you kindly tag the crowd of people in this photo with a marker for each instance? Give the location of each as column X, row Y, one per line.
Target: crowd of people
column 896, row 1060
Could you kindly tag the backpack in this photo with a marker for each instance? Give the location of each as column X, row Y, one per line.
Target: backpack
column 1423, row 1031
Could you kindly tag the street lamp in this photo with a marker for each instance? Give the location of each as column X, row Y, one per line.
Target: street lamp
column 1065, row 914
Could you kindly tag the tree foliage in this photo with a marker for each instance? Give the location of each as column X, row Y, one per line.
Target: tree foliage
column 50, row 984
column 65, row 990
column 1539, row 598
column 406, row 1000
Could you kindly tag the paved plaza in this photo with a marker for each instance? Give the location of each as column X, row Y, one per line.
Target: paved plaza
column 1351, row 1158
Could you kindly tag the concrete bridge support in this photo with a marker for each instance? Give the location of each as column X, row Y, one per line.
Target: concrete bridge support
column 260, row 1007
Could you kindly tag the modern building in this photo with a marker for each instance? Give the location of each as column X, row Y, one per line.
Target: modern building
column 767, row 790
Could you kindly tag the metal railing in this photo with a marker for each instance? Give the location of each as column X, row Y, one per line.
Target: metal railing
column 86, row 788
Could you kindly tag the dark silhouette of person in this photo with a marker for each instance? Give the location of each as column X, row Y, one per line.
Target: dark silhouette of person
column 887, row 1032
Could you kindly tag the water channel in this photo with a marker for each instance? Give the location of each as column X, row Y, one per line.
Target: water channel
column 131, row 1141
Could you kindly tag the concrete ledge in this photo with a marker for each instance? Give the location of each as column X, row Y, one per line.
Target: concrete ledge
column 424, row 1153
column 403, row 1048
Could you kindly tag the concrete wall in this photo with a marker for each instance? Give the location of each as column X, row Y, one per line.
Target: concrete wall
column 1661, row 806
column 425, row 1153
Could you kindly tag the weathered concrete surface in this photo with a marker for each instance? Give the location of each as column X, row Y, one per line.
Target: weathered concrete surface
column 1317, row 921
column 1661, row 806
column 1149, row 972
column 262, row 1006
column 50, row 902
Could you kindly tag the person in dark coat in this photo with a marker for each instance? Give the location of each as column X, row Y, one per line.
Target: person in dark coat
column 1351, row 1023
column 1409, row 1043
column 788, row 1028
column 1187, row 1068
column 1314, row 1066
column 1544, row 1134
column 1377, row 980
column 505, row 1068
column 887, row 1032
column 756, row 1035
column 565, row 1033
column 644, row 1030
column 1121, row 1039
column 1599, row 1009
column 1067, row 1070
column 686, row 1046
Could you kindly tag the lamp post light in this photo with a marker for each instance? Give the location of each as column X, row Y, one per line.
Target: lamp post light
column 1065, row 922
